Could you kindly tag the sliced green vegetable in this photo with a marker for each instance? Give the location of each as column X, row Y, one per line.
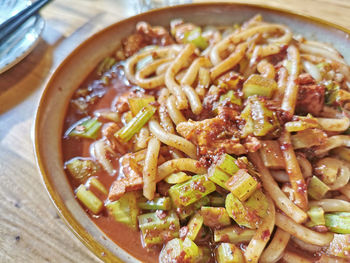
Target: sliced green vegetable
column 215, row 217
column 316, row 214
column 186, row 211
column 194, row 225
column 177, row 178
column 125, row 210
column 157, row 228
column 89, row 200
column 258, row 203
column 218, row 176
column 136, row 104
column 242, row 185
column 232, row 97
column 243, row 215
column 191, row 191
column 249, row 125
column 338, row 222
column 216, row 199
column 105, row 65
column 229, row 253
column 227, row 163
column 259, row 85
column 98, row 185
column 177, row 250
column 81, row 169
column 158, row 203
column 316, row 188
column 85, row 128
column 233, row 234
column 136, row 123
column 340, row 246
column 195, row 37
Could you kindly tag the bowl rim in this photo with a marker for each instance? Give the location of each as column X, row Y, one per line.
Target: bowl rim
column 73, row 225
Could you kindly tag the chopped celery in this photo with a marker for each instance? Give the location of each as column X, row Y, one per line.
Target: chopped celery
column 258, row 203
column 177, row 250
column 302, row 123
column 135, row 124
column 308, row 138
column 105, row 65
column 109, row 115
column 227, row 163
column 216, row 200
column 191, row 191
column 98, row 185
column 158, row 203
column 231, row 97
column 233, row 234
column 242, row 185
column 136, row 104
column 229, row 253
column 157, row 228
column 194, row 225
column 338, row 222
column 87, row 197
column 127, row 117
column 215, row 217
column 316, row 188
column 195, row 37
column 340, row 246
column 271, row 154
column 144, row 62
column 177, row 178
column 316, row 214
column 259, row 85
column 81, row 169
column 185, row 211
column 249, row 125
column 85, row 128
column 243, row 215
column 334, row 95
column 125, row 210
column 218, row 176
column 205, row 254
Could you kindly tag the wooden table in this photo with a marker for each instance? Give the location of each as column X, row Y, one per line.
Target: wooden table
column 30, row 229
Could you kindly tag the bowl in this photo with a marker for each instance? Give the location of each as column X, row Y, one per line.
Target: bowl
column 75, row 68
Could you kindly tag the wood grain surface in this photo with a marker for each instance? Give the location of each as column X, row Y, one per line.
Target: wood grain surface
column 30, row 229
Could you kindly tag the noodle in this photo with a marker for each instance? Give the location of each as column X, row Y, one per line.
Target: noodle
column 332, row 205
column 275, row 250
column 174, row 113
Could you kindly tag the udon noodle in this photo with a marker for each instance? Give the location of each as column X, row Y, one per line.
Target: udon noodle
column 226, row 144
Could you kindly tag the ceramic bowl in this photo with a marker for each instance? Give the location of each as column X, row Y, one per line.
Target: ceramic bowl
column 74, row 69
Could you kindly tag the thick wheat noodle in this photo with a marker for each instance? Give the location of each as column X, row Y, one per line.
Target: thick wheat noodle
column 293, row 170
column 164, row 93
column 291, row 257
column 192, row 71
column 177, row 165
column 281, row 84
column 165, row 120
column 175, row 153
column 306, row 246
column 237, row 37
column 332, row 205
column 268, row 50
column 334, row 125
column 312, row 69
column 203, row 81
column 152, row 82
column 342, row 179
column 162, row 68
column 193, row 99
column 303, row 233
column 329, row 112
column 174, row 113
column 333, row 142
column 149, row 173
column 256, row 54
column 266, row 69
column 275, row 249
column 291, row 91
column 132, row 61
column 316, row 50
column 345, row 190
column 172, row 70
column 100, row 150
column 172, row 140
column 262, row 235
column 142, row 138
column 229, row 62
column 324, row 46
column 280, row 199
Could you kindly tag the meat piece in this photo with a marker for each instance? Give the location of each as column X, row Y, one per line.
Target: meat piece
column 129, row 179
column 156, row 35
column 179, row 29
column 213, row 135
column 305, row 79
column 310, row 99
column 252, row 144
column 133, row 43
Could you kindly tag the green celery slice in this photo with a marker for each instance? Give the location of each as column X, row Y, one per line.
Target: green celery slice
column 86, row 128
column 158, row 203
column 233, row 234
column 194, row 225
column 195, row 37
column 215, row 216
column 259, row 85
column 177, row 178
column 218, row 176
column 227, row 163
column 136, row 104
column 242, row 185
column 338, row 222
column 316, row 188
column 316, row 214
column 81, row 169
column 92, row 202
column 229, row 253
